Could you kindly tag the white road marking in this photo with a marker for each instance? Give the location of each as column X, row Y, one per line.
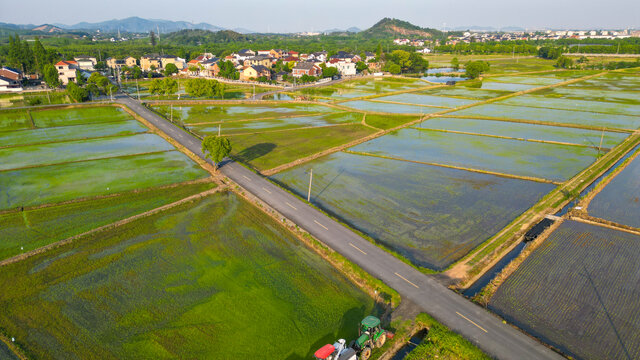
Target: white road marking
column 246, row 177
column 357, row 248
column 291, row 206
column 469, row 320
column 268, row 192
column 405, row 279
column 316, row 221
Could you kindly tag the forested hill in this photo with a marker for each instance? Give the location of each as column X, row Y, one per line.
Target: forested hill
column 388, row 28
column 199, row 37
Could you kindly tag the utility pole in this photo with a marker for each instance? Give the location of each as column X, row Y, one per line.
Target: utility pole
column 601, row 138
column 310, row 181
column 138, row 88
column 171, row 111
column 219, row 129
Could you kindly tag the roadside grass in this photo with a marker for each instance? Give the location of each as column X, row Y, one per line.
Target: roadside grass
column 30, row 229
column 270, row 149
column 201, row 280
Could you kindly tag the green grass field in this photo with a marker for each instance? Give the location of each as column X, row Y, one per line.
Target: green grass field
column 14, row 120
column 268, row 150
column 75, row 116
column 27, row 230
column 215, row 278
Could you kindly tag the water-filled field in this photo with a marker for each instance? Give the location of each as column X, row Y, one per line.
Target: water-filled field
column 465, row 92
column 80, row 150
column 526, row 131
column 390, row 108
column 14, row 120
column 527, row 80
column 576, row 93
column 573, row 104
column 500, row 86
column 540, row 160
column 195, row 114
column 66, row 133
column 75, row 116
column 619, row 201
column 252, row 126
column 215, row 278
column 421, row 99
column 611, row 81
column 431, row 215
column 270, row 149
column 553, row 116
column 578, row 291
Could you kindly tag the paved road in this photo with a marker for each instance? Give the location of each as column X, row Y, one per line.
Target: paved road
column 472, row 321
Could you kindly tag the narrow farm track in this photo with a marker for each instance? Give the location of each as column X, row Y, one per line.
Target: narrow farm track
column 472, row 321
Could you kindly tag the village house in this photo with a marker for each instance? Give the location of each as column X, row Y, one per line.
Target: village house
column 368, row 56
column 168, row 59
column 275, row 53
column 294, row 54
column 148, row 61
column 344, row 56
column 253, row 72
column 130, row 61
column 320, row 56
column 9, row 85
column 244, row 54
column 86, row 62
column 344, row 68
column 259, row 60
column 401, row 41
column 306, row 68
column 66, row 71
column 11, row 73
column 263, row 52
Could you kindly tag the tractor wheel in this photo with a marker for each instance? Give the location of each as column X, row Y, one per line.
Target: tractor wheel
column 365, row 354
column 381, row 340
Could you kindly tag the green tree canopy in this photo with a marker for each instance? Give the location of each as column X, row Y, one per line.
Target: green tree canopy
column 50, row 76
column 204, row 88
column 216, row 148
column 170, row 69
column 166, row 86
column 455, row 63
column 473, row 69
column 76, row 93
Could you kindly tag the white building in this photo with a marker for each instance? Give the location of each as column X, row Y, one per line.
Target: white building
column 9, row 85
column 86, row 62
column 344, row 68
column 66, row 71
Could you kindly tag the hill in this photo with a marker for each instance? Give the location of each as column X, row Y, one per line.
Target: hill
column 140, row 25
column 388, row 28
column 197, row 37
column 48, row 28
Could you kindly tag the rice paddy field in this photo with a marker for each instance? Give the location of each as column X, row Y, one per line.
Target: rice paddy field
column 66, row 165
column 213, row 278
column 619, row 201
column 578, row 291
column 430, row 215
column 362, row 87
column 539, row 160
column 33, row 98
column 385, row 107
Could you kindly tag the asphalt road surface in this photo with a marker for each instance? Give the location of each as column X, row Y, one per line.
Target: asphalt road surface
column 478, row 325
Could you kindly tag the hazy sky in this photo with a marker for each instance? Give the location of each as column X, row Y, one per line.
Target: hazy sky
column 298, row 15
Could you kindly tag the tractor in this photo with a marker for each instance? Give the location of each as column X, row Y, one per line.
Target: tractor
column 370, row 336
column 337, row 351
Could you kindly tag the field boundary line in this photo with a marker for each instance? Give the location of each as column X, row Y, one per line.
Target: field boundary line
column 364, row 122
column 112, row 225
column 489, row 172
column 67, row 105
column 13, row 348
column 574, row 110
column 511, row 138
column 209, row 179
column 399, row 92
column 604, row 223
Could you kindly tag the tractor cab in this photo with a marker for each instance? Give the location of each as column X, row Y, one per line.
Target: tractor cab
column 370, row 324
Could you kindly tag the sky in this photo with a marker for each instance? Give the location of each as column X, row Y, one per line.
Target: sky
column 297, row 15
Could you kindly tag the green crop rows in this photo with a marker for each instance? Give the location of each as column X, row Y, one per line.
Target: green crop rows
column 215, row 278
column 578, row 292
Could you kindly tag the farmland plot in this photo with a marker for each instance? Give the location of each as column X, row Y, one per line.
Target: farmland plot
column 576, row 93
column 430, row 215
column 195, row 114
column 75, row 116
column 215, row 278
column 465, row 92
column 552, row 116
column 611, row 81
column 573, row 104
column 501, row 86
column 527, row 80
column 579, row 292
column 14, row 120
column 420, row 99
column 390, row 108
column 619, row 201
column 547, row 161
column 526, row 131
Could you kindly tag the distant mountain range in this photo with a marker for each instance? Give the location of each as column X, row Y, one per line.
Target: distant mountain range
column 485, row 28
column 352, row 29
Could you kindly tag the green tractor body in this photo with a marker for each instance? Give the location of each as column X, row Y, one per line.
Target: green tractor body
column 371, row 336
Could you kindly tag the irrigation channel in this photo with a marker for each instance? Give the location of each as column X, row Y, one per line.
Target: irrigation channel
column 485, row 279
column 413, row 343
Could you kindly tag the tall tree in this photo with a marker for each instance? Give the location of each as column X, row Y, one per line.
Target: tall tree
column 379, row 52
column 152, row 38
column 40, row 55
column 50, row 76
column 216, row 148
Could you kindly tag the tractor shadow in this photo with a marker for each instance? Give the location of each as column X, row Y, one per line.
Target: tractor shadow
column 347, row 329
column 255, row 151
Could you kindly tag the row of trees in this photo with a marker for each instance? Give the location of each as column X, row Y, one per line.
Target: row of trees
column 96, row 85
column 22, row 56
column 197, row 87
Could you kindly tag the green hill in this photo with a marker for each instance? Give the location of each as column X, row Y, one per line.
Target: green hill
column 388, row 28
column 197, row 37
